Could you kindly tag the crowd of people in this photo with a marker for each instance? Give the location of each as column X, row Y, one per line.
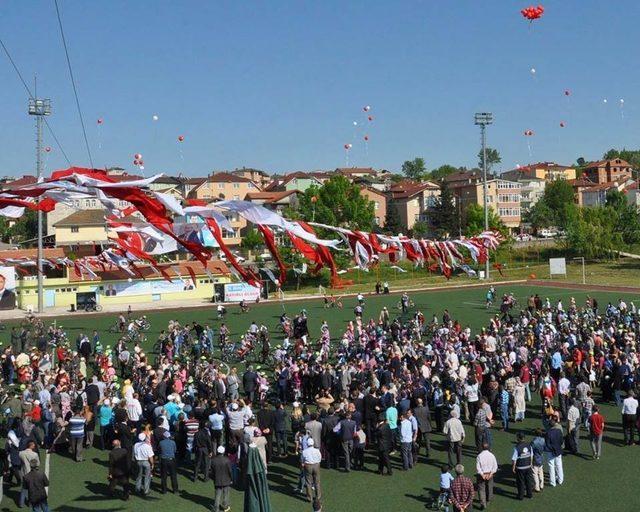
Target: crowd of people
column 388, row 382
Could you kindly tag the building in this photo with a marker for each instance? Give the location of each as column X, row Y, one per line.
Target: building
column 64, row 288
column 548, row 171
column 83, row 227
column 606, row 171
column 596, row 195
column 223, row 185
column 531, row 191
column 276, row 201
column 579, row 185
column 412, row 201
column 356, row 172
column 260, row 178
column 166, row 184
column 379, row 200
column 632, row 193
column 503, row 196
column 298, row 180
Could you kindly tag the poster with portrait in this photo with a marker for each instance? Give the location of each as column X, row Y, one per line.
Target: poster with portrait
column 7, row 288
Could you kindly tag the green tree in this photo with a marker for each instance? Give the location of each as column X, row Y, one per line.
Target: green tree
column 25, row 228
column 474, row 221
column 591, row 232
column 627, row 221
column 558, row 197
column 493, row 158
column 252, row 240
column 339, row 203
column 442, row 215
column 420, row 229
column 539, row 216
column 392, row 223
column 442, row 171
column 415, row 169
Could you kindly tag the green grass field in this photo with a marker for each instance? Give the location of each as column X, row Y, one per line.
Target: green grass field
column 589, row 485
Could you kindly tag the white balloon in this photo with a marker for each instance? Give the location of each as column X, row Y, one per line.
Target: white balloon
column 533, row 71
column 355, row 123
column 604, row 100
column 622, row 102
column 155, row 117
column 142, row 167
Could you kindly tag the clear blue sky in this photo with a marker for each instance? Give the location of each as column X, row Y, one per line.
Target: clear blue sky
column 277, row 85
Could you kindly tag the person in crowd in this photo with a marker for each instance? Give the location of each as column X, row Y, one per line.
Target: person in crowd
column 486, row 467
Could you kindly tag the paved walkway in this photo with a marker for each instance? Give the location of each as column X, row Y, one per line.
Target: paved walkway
column 202, row 304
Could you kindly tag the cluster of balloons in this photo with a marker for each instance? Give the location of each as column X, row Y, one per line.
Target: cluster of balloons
column 138, row 161
column 180, row 138
column 100, row 120
column 347, row 147
column 532, row 13
column 528, row 133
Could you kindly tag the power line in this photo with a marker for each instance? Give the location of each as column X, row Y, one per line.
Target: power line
column 73, row 83
column 46, row 122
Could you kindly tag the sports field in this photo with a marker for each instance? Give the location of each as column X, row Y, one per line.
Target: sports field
column 607, row 484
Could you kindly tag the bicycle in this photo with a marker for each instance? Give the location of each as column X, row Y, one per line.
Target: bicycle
column 441, row 503
column 92, row 306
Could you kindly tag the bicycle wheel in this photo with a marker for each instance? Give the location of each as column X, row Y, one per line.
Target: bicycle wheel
column 98, row 308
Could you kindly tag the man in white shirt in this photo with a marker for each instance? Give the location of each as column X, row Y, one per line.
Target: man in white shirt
column 486, row 467
column 134, row 411
column 143, row 455
column 573, row 426
column 629, row 414
column 563, row 394
column 311, row 458
column 454, row 432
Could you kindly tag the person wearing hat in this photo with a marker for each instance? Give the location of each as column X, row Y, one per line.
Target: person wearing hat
column 35, row 483
column 311, row 458
column 223, row 479
column 119, row 469
column 168, row 448
column 143, row 455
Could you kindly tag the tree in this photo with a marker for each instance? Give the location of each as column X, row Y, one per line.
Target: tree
column 442, row 171
column 392, row 223
column 415, row 169
column 251, row 240
column 442, row 215
column 474, row 221
column 493, row 157
column 627, row 221
column 25, row 228
column 591, row 233
column 338, row 203
column 420, row 229
column 558, row 197
column 539, row 216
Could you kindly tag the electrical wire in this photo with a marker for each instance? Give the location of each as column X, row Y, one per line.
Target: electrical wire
column 46, row 122
column 73, row 82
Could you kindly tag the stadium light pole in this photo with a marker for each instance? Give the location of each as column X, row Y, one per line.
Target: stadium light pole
column 483, row 119
column 39, row 108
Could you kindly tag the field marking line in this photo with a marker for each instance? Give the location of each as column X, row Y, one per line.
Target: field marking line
column 46, row 469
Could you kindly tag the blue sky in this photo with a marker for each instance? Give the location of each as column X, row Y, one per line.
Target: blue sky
column 277, row 85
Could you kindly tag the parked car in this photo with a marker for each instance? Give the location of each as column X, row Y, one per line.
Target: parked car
column 265, row 256
column 523, row 237
column 223, row 257
column 547, row 233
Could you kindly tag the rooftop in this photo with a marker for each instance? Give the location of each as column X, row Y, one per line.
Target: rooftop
column 83, row 218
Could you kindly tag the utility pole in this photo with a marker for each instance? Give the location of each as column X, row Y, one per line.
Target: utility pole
column 39, row 108
column 483, row 119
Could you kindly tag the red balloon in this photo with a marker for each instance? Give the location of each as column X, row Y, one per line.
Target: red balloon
column 141, row 162
column 180, row 138
column 366, row 137
column 532, row 13
column 137, row 156
column 561, row 124
column 370, row 118
column 314, row 199
column 567, row 92
column 347, row 147
column 48, row 149
column 136, row 162
column 100, row 120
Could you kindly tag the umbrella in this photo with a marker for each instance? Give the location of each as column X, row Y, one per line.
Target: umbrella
column 256, row 489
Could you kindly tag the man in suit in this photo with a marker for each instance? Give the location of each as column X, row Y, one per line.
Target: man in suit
column 7, row 297
column 119, row 469
column 423, row 416
column 346, row 430
column 385, row 443
column 267, row 424
column 222, row 479
column 250, row 383
column 330, row 439
column 203, row 448
column 314, row 429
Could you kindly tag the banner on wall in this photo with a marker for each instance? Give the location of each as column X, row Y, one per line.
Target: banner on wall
column 7, row 288
column 235, row 292
column 147, row 287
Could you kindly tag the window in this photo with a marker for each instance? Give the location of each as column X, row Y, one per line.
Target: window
column 250, row 185
column 236, row 197
column 376, row 205
column 75, row 229
column 236, row 185
column 93, row 202
column 509, row 212
column 377, row 221
column 220, row 185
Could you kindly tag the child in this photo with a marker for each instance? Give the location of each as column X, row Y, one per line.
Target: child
column 445, row 486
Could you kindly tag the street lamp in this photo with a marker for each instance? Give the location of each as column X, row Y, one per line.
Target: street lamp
column 39, row 108
column 483, row 119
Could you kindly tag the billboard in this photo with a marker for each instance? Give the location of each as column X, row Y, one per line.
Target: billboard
column 236, row 292
column 557, row 266
column 147, row 287
column 7, row 288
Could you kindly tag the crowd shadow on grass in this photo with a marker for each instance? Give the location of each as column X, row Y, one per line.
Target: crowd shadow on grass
column 69, row 508
column 198, row 499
